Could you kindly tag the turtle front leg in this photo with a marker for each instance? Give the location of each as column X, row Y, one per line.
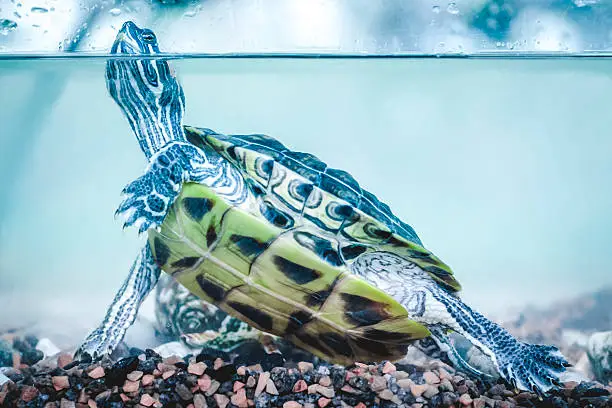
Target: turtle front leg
column 149, row 197
column 122, row 311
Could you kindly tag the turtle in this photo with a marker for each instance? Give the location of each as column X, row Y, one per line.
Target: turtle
column 283, row 242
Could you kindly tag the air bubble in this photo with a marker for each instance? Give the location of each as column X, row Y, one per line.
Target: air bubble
column 6, row 26
column 190, row 13
column 436, row 9
column 452, row 8
column 38, row 10
column 115, row 11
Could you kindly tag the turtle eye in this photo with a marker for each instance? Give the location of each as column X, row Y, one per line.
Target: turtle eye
column 148, row 36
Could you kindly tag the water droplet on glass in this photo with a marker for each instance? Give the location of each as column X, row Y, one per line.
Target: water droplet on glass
column 452, row 8
column 435, row 9
column 115, row 11
column 6, row 26
column 38, row 10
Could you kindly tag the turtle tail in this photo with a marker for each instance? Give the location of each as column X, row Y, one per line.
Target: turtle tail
column 530, row 367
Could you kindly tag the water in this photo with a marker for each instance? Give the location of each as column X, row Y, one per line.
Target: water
column 501, row 166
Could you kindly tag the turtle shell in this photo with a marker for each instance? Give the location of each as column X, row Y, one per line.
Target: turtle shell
column 297, row 187
column 281, row 261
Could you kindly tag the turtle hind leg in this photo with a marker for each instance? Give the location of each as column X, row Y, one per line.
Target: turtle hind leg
column 525, row 366
column 122, row 312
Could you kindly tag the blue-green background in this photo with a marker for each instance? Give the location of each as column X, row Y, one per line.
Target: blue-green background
column 503, row 167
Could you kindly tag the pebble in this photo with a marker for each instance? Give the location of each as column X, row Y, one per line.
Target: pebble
column 199, row 401
column 239, row 398
column 183, row 392
column 96, row 373
column 271, row 388
column 388, row 368
column 431, row 377
column 304, row 366
column 196, row 368
column 131, row 386
column 465, row 399
column 323, row 402
column 168, row 374
column 221, row 400
column 300, row 386
column 63, row 359
column 325, row 391
column 430, row 391
column 214, row 386
column 28, row 393
column 147, row 380
column 378, row 383
column 446, row 385
column 261, row 383
column 251, row 381
column 386, row 395
column 238, row 385
column 64, row 403
column 146, row 400
column 479, row 403
column 292, row 404
column 325, row 381
column 60, row 382
column 135, row 375
column 418, row 389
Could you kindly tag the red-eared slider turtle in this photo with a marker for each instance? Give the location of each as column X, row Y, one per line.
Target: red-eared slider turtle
column 282, row 241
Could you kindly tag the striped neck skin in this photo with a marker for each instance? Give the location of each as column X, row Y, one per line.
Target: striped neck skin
column 145, row 89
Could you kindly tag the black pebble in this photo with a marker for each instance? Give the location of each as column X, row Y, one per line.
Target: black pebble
column 272, row 360
column 31, row 356
column 337, row 375
column 96, row 386
column 224, row 373
column 182, row 365
column 147, row 366
column 118, row 372
column 209, row 353
column 152, row 354
column 359, row 383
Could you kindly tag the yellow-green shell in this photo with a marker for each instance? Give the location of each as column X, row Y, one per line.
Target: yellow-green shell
column 281, row 262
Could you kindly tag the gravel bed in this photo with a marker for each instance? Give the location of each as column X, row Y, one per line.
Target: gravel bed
column 145, row 379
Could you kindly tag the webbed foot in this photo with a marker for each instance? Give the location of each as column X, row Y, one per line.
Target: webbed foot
column 149, row 197
column 533, row 367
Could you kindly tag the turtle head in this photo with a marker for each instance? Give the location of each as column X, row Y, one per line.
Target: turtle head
column 145, row 88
